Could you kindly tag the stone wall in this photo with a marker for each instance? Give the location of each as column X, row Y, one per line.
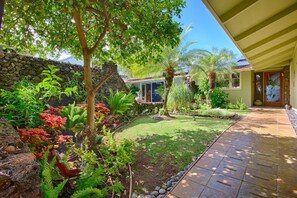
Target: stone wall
column 19, row 171
column 14, row 67
column 286, row 79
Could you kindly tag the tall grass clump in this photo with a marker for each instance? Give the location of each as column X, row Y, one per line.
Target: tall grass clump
column 180, row 97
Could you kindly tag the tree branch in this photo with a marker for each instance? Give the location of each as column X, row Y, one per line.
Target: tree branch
column 106, row 24
column 80, row 30
column 106, row 77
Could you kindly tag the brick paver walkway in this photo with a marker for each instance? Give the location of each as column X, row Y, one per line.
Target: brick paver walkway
column 256, row 157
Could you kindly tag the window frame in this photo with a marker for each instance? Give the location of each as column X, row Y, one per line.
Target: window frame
column 230, row 87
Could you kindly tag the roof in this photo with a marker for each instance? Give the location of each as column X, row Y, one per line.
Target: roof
column 264, row 31
column 149, row 78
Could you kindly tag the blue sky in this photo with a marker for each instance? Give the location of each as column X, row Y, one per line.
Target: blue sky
column 206, row 30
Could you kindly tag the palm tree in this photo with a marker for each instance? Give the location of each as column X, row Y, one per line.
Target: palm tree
column 213, row 65
column 170, row 60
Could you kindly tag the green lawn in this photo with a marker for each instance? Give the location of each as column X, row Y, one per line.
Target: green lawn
column 174, row 141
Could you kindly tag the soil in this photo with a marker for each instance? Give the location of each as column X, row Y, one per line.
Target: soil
column 147, row 174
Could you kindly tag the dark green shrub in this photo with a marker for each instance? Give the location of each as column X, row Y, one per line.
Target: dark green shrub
column 218, row 98
column 133, row 89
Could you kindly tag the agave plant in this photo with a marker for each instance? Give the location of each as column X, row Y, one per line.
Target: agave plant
column 119, row 102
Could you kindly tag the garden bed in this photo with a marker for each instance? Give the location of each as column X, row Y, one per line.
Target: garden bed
column 164, row 147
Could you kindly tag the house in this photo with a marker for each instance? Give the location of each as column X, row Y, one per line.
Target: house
column 148, row 87
column 266, row 33
column 235, row 84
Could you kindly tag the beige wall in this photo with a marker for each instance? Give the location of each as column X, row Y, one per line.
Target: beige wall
column 293, row 80
column 245, row 91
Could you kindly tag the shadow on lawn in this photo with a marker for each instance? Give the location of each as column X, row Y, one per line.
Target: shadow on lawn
column 180, row 147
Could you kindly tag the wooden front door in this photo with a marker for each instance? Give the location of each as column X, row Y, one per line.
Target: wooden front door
column 272, row 88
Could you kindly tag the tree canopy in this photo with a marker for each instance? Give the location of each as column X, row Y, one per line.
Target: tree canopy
column 118, row 28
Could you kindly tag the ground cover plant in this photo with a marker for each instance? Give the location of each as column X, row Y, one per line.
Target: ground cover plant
column 163, row 147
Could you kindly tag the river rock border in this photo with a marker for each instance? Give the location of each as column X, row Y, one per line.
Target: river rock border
column 293, row 118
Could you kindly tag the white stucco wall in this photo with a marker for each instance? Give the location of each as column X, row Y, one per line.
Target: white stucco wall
column 245, row 91
column 293, row 80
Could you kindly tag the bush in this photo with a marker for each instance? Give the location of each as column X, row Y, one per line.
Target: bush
column 180, row 96
column 203, row 88
column 218, row 98
column 239, row 104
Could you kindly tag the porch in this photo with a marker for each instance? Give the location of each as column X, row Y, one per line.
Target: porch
column 256, row 157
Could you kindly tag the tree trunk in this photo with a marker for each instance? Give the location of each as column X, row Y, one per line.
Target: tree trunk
column 169, row 75
column 212, row 83
column 91, row 129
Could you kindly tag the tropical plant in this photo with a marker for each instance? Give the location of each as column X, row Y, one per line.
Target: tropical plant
column 122, row 30
column 171, row 59
column 180, row 97
column 76, row 117
column 119, row 101
column 133, row 89
column 77, row 81
column 50, row 85
column 212, row 65
column 239, row 104
column 21, row 106
column 218, row 98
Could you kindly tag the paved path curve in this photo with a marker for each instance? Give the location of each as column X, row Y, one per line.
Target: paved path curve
column 256, row 157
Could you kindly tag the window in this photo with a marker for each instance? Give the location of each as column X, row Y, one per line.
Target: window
column 230, row 81
column 235, row 80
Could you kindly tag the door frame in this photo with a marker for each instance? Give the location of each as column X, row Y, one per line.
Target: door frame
column 265, row 77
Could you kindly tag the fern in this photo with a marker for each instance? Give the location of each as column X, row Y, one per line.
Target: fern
column 91, row 177
column 89, row 191
column 48, row 170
